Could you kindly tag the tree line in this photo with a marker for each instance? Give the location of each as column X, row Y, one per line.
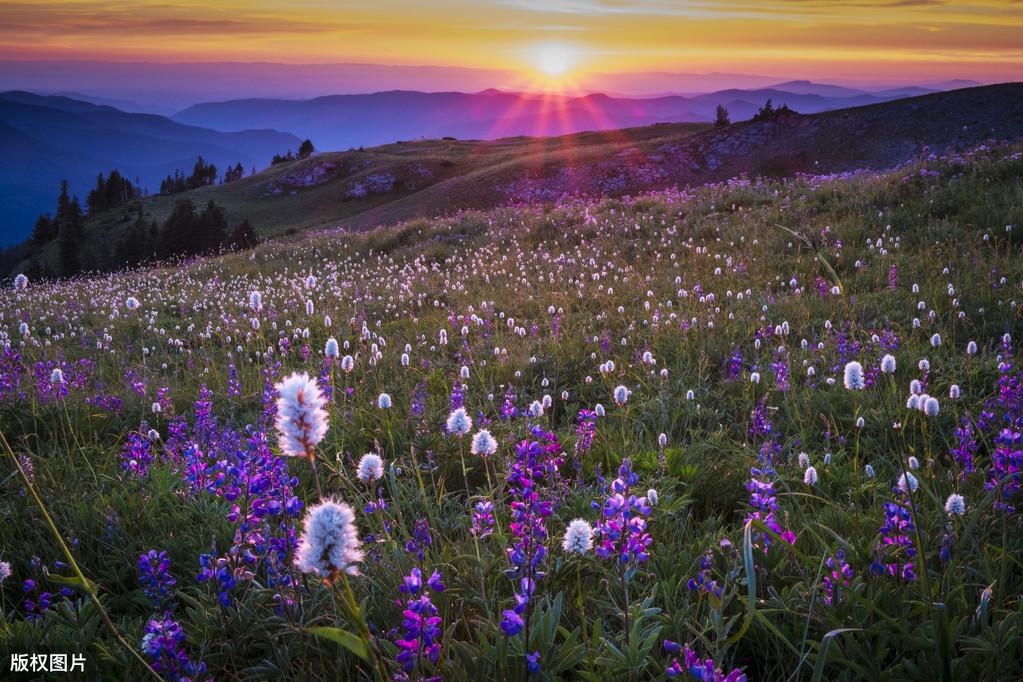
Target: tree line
column 60, row 247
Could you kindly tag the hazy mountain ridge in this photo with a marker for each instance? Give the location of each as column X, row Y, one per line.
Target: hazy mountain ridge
column 343, row 121
column 46, row 139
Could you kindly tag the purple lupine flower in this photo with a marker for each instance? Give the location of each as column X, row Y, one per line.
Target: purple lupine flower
column 37, row 603
column 136, row 454
column 895, row 552
column 155, row 577
column 420, row 625
column 704, row 670
column 622, row 528
column 1006, row 470
column 164, row 645
column 702, row 582
column 837, row 577
column 966, row 446
column 482, row 518
column 534, row 471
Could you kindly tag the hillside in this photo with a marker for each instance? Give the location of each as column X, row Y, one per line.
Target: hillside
column 382, row 185
column 46, row 139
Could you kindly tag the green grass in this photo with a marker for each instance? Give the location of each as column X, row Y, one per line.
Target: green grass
column 635, row 270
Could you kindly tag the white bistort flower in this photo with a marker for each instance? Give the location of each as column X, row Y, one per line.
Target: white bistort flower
column 810, row 476
column 459, row 422
column 888, row 364
column 578, row 537
column 931, row 407
column 301, row 417
column 853, row 376
column 955, row 505
column 913, row 484
column 483, row 444
column 331, row 349
column 621, row 395
column 384, row 401
column 330, row 541
column 371, row 467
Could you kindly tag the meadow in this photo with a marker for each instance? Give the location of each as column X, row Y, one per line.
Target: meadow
column 760, row 430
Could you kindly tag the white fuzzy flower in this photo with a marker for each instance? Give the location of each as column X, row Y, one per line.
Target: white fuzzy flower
column 955, row 505
column 483, row 444
column 331, row 349
column 256, row 300
column 459, row 422
column 330, row 541
column 888, row 364
column 371, row 467
column 21, row 282
column 301, row 419
column 621, row 395
column 953, row 391
column 853, row 376
column 913, row 483
column 578, row 537
column 653, row 497
column 931, row 407
column 384, row 401
column 535, row 409
column 57, row 376
column 347, row 364
column 810, row 476
column 971, row 348
column 5, row 568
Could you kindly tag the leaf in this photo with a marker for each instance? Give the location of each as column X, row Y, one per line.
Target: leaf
column 822, row 655
column 346, row 639
column 751, row 582
column 74, row 582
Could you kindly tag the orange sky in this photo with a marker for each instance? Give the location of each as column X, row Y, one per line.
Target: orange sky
column 922, row 39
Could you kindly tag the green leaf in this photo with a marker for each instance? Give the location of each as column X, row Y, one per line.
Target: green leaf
column 346, row 639
column 74, row 583
column 822, row 655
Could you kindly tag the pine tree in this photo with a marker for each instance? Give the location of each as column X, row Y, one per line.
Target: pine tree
column 45, row 231
column 243, row 237
column 721, row 118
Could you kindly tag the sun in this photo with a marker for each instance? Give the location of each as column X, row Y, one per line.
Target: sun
column 555, row 60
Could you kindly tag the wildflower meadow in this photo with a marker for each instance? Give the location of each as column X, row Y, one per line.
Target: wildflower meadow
column 757, row 430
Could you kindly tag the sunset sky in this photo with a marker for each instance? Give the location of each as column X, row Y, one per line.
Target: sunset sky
column 547, row 41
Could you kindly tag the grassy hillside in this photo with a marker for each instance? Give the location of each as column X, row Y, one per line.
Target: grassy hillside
column 437, row 177
column 702, row 376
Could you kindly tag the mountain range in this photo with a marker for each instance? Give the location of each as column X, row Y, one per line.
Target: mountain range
column 47, row 139
column 344, row 121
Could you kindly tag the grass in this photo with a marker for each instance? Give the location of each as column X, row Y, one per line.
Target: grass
column 533, row 300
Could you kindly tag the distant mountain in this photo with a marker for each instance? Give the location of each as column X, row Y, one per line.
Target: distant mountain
column 344, row 121
column 46, row 138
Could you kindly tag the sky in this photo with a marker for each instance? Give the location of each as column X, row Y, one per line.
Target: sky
column 549, row 44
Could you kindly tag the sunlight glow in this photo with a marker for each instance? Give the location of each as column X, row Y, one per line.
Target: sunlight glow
column 555, row 60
